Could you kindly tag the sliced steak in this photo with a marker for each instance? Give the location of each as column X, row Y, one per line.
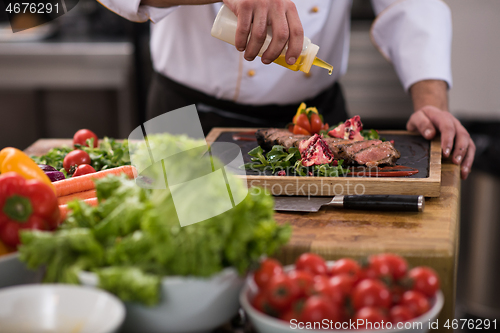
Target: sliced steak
column 267, row 138
column 383, row 153
column 348, row 150
column 369, row 152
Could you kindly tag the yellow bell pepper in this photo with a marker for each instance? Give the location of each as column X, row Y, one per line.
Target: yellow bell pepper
column 12, row 159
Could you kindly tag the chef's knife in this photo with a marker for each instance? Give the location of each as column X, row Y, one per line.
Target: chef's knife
column 407, row 203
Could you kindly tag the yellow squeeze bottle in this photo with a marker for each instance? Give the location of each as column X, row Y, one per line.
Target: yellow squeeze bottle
column 224, row 28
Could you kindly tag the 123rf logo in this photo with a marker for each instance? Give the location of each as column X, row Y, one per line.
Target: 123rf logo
column 27, row 14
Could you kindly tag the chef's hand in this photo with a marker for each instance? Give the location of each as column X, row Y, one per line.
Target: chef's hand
column 254, row 17
column 431, row 116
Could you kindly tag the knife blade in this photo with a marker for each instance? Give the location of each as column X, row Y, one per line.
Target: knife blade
column 407, row 203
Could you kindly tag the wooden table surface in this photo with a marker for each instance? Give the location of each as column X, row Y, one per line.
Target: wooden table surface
column 429, row 238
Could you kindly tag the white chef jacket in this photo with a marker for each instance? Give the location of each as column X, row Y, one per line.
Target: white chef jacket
column 415, row 35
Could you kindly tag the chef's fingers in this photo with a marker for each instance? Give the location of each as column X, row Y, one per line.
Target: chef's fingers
column 468, row 160
column 443, row 120
column 296, row 32
column 259, row 32
column 245, row 14
column 462, row 141
column 421, row 123
column 279, row 27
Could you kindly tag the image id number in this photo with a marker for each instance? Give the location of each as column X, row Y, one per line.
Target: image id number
column 471, row 324
column 32, row 7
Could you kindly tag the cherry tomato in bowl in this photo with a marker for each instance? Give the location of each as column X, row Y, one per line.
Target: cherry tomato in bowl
column 82, row 136
column 266, row 270
column 350, row 297
column 75, row 158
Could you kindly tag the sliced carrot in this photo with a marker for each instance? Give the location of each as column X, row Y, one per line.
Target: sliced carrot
column 86, row 182
column 64, row 208
column 78, row 195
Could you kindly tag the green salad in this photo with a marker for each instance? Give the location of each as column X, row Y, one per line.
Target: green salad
column 109, row 154
column 133, row 238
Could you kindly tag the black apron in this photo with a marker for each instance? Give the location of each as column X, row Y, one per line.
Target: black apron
column 167, row 95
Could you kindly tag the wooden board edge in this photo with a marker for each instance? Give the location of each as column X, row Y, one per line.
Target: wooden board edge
column 435, row 161
column 324, row 186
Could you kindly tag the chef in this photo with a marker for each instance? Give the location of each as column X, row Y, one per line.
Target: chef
column 231, row 89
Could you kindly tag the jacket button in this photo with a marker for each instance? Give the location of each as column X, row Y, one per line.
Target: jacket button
column 251, row 73
column 315, row 9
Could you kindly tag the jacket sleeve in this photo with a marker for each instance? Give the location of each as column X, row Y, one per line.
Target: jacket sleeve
column 415, row 35
column 133, row 11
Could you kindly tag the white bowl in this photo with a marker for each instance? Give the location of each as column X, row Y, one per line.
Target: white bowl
column 187, row 304
column 267, row 324
column 59, row 308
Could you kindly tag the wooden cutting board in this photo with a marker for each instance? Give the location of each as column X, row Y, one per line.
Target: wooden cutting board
column 415, row 151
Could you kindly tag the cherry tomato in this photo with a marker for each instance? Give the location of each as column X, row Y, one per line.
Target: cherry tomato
column 323, row 287
column 344, row 283
column 303, row 122
column 316, row 123
column 346, row 266
column 289, row 315
column 81, row 137
column 75, row 158
column 267, row 269
column 400, row 313
column 396, row 265
column 312, row 263
column 371, row 292
column 299, row 130
column 281, row 292
column 416, row 302
column 397, row 292
column 261, row 303
column 378, row 267
column 304, row 280
column 326, row 127
column 83, row 170
column 369, row 314
column 425, row 280
column 318, row 308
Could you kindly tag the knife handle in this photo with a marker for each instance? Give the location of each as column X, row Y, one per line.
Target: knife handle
column 406, row 203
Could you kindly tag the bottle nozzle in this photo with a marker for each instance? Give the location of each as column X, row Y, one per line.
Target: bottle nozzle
column 323, row 64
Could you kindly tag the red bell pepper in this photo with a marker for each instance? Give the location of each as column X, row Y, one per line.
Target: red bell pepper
column 25, row 204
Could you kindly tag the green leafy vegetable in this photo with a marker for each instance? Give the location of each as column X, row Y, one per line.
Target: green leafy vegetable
column 370, row 134
column 133, row 237
column 278, row 159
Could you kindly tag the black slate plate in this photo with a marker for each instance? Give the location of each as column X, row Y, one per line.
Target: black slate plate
column 414, row 151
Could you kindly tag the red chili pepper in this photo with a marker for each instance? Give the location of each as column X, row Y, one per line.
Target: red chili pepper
column 25, row 204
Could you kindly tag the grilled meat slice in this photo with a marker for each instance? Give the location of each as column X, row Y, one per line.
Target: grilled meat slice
column 383, row 153
column 347, row 151
column 267, row 138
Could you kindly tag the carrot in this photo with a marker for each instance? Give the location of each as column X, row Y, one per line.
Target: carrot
column 64, row 208
column 85, row 182
column 78, row 195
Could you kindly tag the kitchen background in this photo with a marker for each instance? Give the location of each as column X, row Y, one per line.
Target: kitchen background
column 90, row 69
